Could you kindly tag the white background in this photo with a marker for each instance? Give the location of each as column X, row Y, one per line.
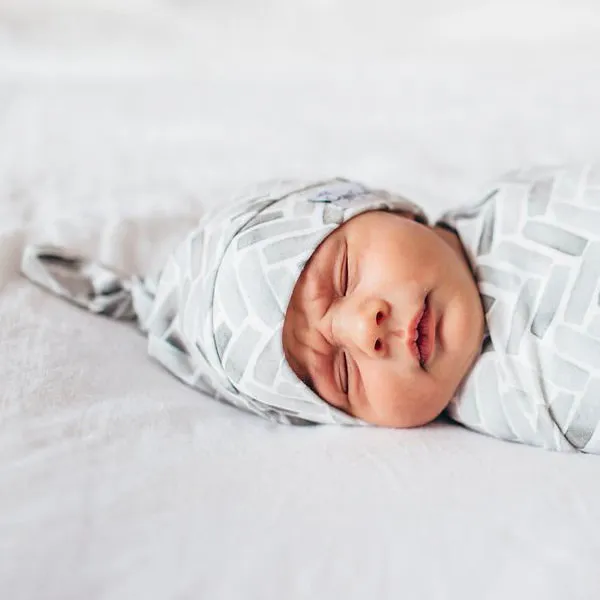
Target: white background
column 119, row 122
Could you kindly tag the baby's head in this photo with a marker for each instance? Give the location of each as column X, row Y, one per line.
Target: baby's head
column 385, row 319
column 336, row 303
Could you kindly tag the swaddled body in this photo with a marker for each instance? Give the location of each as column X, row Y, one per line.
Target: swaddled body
column 217, row 315
column 534, row 243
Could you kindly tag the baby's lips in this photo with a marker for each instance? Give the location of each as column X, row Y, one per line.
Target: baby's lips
column 411, row 338
column 428, row 335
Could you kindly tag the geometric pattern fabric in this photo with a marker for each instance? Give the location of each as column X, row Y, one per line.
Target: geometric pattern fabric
column 534, row 244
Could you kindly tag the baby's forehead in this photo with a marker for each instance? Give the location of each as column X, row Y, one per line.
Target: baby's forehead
column 368, row 219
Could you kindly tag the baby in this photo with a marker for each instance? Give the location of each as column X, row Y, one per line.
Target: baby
column 331, row 302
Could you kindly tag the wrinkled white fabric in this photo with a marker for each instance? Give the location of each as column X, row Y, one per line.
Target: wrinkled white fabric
column 121, row 122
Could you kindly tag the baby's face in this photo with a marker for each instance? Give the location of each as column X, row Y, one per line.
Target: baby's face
column 385, row 320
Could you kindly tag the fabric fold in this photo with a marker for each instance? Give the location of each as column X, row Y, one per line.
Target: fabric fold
column 86, row 283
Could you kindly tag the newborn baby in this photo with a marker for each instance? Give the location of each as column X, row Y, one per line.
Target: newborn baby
column 335, row 303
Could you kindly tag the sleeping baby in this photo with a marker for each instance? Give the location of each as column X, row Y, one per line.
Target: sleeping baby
column 331, row 302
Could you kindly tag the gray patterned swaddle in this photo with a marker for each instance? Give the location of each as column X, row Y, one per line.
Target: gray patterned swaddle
column 534, row 243
column 214, row 317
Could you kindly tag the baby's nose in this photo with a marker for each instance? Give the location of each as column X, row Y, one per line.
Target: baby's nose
column 371, row 326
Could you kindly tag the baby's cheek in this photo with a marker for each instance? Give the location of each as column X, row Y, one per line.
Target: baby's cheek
column 409, row 401
column 425, row 403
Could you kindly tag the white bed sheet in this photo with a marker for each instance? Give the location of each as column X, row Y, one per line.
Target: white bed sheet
column 119, row 123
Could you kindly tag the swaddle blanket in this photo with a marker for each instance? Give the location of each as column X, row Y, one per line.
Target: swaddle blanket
column 214, row 316
column 534, row 243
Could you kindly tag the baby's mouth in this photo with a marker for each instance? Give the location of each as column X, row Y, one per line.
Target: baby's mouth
column 423, row 336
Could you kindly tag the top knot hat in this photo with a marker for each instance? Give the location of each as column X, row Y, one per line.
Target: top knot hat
column 214, row 317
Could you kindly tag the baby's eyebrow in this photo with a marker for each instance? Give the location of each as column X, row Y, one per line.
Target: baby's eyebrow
column 309, row 381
